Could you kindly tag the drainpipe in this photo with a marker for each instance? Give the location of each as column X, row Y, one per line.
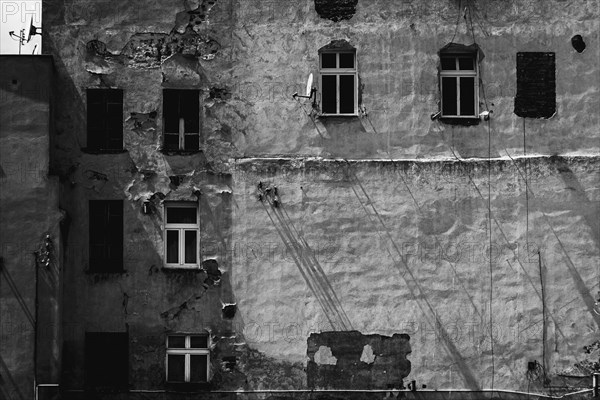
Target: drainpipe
column 35, row 327
column 596, row 384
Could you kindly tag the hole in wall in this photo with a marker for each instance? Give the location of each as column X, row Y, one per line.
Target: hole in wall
column 578, row 43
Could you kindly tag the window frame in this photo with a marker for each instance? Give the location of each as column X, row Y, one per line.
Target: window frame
column 188, row 351
column 181, row 134
column 181, row 228
column 337, row 72
column 102, row 144
column 458, row 74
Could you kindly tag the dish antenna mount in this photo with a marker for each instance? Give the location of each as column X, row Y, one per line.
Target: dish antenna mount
column 310, row 90
column 33, row 30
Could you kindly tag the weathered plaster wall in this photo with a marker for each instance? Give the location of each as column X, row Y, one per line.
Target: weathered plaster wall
column 403, row 247
column 247, row 58
column 28, row 212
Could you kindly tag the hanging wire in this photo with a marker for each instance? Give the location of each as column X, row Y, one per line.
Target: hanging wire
column 457, row 21
column 490, row 245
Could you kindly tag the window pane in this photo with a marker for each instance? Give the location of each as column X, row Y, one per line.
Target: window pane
column 176, row 368
column 173, row 247
column 190, row 247
column 346, row 60
column 328, row 96
column 171, row 142
column 328, row 60
column 199, row 342
column 189, row 110
column 449, row 96
column 192, row 142
column 171, row 110
column 467, row 96
column 346, row 94
column 181, row 215
column 448, row 63
column 198, row 368
column 465, row 63
column 176, row 342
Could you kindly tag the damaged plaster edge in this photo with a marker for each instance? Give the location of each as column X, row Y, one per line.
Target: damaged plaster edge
column 300, row 161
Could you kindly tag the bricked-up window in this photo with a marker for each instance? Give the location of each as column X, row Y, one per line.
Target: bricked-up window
column 181, row 234
column 105, row 119
column 188, row 358
column 181, row 114
column 106, row 235
column 339, row 84
column 458, row 84
column 536, row 85
column 107, row 360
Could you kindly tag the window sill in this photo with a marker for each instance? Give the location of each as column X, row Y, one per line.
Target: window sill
column 188, row 387
column 338, row 115
column 175, row 267
column 179, row 152
column 96, row 272
column 465, row 121
column 102, row 151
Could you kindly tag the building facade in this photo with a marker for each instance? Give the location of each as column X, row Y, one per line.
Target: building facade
column 426, row 211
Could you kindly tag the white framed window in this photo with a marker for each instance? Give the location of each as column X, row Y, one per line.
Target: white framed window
column 188, row 358
column 181, row 234
column 459, row 85
column 338, row 83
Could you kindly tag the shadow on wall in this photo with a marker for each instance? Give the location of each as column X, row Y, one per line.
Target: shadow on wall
column 347, row 135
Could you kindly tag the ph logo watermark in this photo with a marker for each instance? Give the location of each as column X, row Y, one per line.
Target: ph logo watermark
column 21, row 12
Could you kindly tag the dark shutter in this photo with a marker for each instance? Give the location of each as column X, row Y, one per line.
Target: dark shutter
column 105, row 119
column 536, row 85
column 95, row 119
column 106, row 235
column 106, row 360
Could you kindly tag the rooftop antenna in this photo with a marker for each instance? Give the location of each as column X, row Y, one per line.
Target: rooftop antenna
column 310, row 90
column 33, row 30
column 20, row 37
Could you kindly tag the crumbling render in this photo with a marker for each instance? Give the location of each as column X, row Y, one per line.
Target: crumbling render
column 150, row 50
column 229, row 310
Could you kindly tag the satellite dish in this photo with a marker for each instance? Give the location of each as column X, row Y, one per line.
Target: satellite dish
column 33, row 30
column 309, row 89
column 309, row 85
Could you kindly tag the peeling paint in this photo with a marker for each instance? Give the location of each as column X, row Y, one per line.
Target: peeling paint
column 367, row 355
column 323, row 356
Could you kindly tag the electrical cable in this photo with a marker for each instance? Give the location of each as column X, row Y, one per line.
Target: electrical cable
column 457, row 21
column 490, row 245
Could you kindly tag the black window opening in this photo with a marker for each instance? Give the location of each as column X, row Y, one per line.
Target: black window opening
column 181, row 117
column 459, row 85
column 338, row 75
column 107, row 360
column 536, row 85
column 188, row 358
column 105, row 119
column 106, row 235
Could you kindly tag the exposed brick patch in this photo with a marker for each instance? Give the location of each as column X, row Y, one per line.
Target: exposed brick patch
column 336, row 10
column 351, row 360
